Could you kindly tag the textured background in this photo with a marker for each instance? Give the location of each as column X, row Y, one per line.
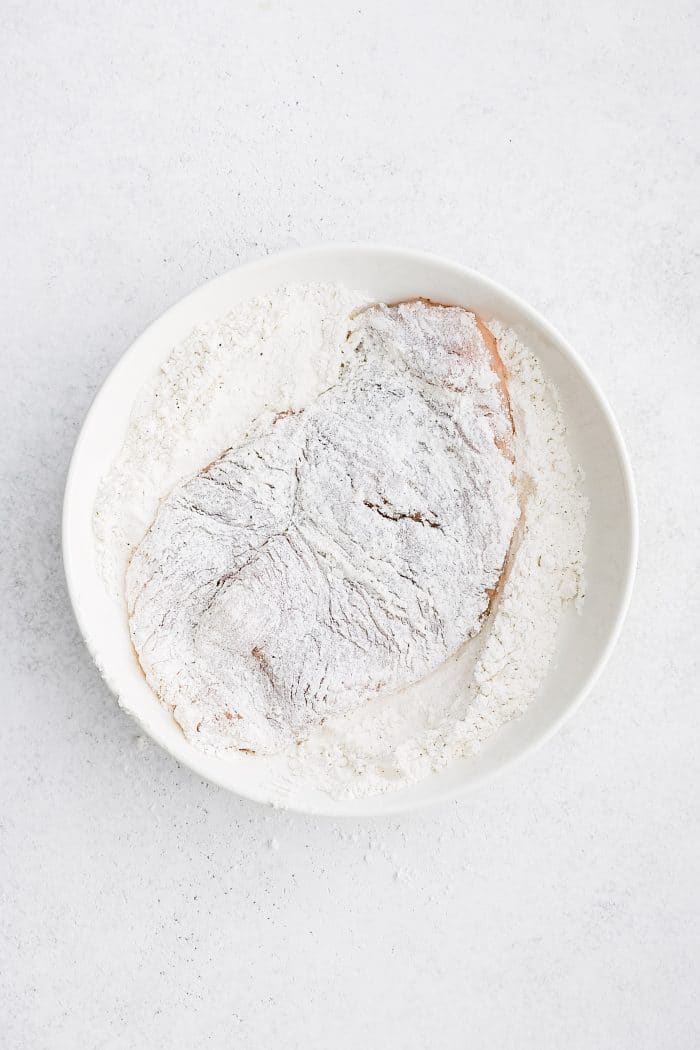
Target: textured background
column 149, row 146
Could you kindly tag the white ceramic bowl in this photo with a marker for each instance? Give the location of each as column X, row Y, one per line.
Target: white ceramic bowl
column 390, row 274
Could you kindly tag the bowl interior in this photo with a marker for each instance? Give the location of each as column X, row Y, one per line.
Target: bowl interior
column 388, row 274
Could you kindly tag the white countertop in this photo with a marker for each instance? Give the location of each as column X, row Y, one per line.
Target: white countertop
column 151, row 147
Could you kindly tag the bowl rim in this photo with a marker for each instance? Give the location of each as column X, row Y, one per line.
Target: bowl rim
column 393, row 804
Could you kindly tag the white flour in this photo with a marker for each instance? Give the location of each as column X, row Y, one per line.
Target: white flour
column 272, row 354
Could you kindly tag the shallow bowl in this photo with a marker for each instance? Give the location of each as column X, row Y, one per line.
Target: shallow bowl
column 389, row 274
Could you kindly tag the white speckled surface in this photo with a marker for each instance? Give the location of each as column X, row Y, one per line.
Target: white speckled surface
column 150, row 148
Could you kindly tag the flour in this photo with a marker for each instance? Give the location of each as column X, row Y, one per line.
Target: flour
column 278, row 353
